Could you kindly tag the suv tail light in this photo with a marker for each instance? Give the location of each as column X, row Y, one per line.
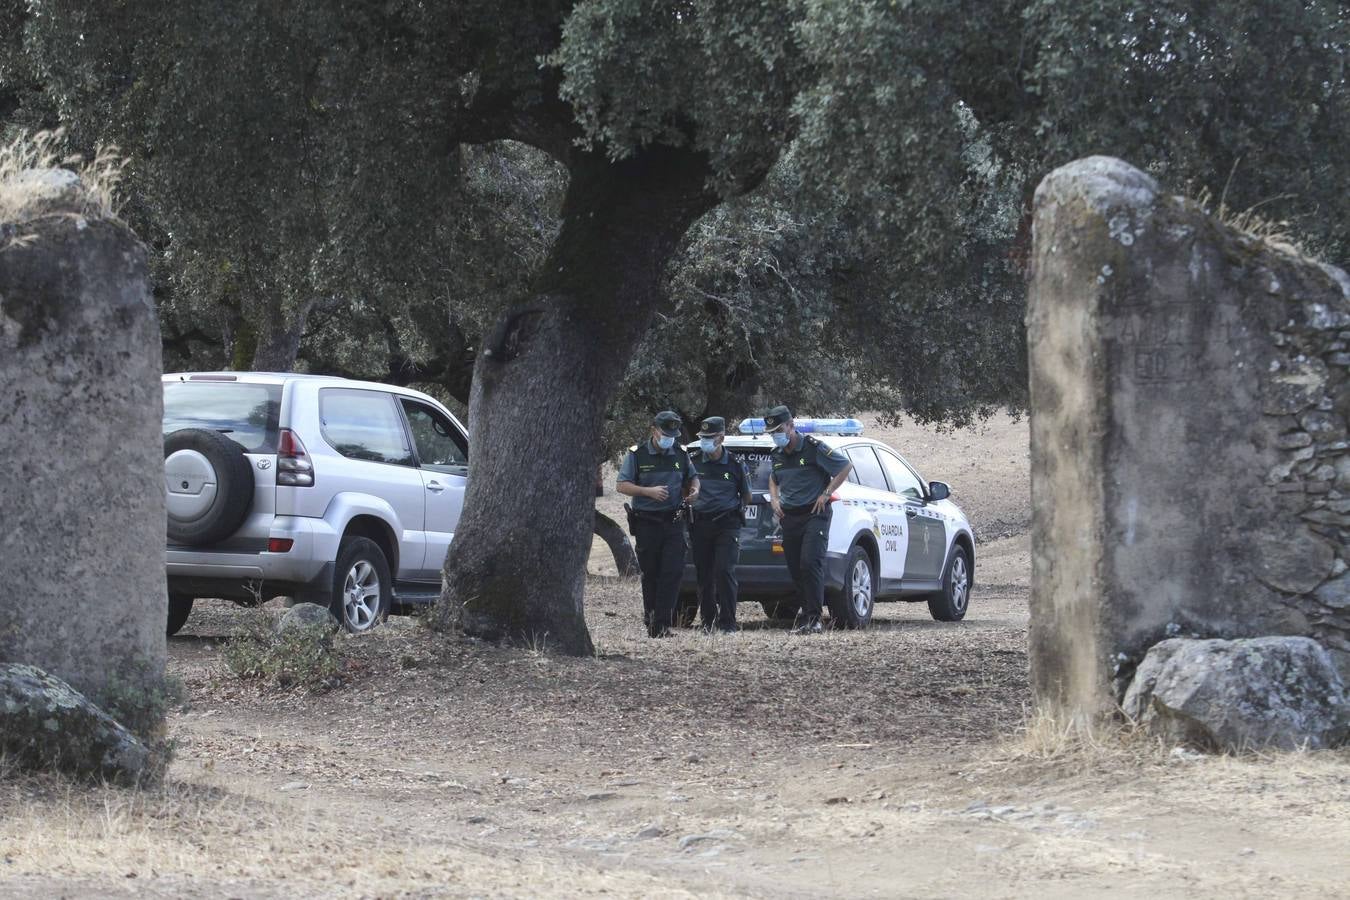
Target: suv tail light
column 293, row 465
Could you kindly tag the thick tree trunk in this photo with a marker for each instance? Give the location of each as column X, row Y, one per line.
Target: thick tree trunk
column 517, row 567
column 625, row 557
column 278, row 337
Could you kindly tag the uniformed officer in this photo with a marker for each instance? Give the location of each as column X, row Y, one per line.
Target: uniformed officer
column 659, row 477
column 715, row 530
column 805, row 474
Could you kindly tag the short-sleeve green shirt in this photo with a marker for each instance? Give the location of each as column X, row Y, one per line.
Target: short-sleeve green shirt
column 802, row 474
column 648, row 466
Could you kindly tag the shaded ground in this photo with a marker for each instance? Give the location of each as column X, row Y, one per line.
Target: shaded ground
column 884, row 763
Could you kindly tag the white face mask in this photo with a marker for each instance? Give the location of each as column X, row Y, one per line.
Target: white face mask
column 707, row 445
column 780, row 440
column 665, row 442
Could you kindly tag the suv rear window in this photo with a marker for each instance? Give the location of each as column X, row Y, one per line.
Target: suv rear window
column 245, row 413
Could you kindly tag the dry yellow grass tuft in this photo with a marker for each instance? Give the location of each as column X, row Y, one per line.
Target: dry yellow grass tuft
column 1047, row 736
column 1274, row 233
column 42, row 151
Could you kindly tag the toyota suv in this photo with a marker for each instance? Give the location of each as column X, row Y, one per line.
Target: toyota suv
column 337, row 492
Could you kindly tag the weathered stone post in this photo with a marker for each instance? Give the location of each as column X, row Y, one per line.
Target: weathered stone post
column 1189, row 397
column 81, row 461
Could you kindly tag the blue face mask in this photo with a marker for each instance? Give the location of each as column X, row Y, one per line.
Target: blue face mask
column 780, row 440
column 707, row 445
column 665, row 442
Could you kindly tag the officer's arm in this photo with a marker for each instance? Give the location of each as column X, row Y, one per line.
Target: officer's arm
column 624, row 484
column 836, row 464
column 774, row 502
column 690, row 478
column 746, row 498
column 691, row 488
column 838, row 479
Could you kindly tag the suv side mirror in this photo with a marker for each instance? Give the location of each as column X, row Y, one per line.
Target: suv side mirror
column 938, row 490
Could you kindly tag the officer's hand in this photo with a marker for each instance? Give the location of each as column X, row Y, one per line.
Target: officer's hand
column 658, row 493
column 777, row 508
column 819, row 505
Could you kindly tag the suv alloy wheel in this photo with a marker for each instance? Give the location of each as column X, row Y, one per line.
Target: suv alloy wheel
column 362, row 587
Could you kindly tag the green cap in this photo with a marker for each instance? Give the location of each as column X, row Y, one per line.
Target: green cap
column 776, row 417
column 669, row 422
column 711, row 426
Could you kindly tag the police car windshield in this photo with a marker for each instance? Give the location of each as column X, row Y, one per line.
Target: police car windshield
column 758, row 464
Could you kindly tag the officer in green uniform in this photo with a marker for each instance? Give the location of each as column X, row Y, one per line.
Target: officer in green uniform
column 659, row 477
column 805, row 474
column 715, row 529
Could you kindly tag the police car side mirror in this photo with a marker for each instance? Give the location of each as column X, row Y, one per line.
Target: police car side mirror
column 938, row 490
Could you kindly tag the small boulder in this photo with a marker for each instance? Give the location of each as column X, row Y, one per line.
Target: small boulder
column 37, row 193
column 306, row 616
column 47, row 725
column 1279, row 692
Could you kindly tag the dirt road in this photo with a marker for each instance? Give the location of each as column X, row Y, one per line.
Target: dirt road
column 884, row 763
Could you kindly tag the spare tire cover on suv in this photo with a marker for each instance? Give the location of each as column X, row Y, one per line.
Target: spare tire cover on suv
column 209, row 484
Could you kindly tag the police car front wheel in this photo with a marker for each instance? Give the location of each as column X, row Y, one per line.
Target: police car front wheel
column 851, row 605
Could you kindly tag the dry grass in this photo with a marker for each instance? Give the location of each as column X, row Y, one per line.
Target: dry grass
column 191, row 840
column 99, row 175
column 1046, row 736
column 1276, row 234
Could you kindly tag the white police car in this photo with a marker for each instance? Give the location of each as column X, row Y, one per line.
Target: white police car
column 893, row 536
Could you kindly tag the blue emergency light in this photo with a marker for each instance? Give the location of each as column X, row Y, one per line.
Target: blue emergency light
column 843, row 427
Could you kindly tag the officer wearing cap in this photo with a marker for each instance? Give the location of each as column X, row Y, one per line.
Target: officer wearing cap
column 715, row 529
column 805, row 474
column 659, row 476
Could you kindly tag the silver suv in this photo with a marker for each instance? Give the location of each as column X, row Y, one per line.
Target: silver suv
column 337, row 492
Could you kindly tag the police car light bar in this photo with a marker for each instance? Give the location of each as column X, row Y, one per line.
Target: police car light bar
column 845, row 427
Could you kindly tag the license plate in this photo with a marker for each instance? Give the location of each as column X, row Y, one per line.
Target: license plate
column 751, row 512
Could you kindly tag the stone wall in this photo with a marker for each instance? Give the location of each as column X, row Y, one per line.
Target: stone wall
column 1190, row 473
column 81, row 454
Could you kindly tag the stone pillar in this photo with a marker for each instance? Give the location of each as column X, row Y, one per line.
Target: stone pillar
column 1190, row 474
column 81, row 452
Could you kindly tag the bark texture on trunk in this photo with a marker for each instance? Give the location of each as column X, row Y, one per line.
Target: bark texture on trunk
column 517, row 567
column 278, row 337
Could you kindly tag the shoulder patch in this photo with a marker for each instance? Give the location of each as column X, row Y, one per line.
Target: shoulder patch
column 633, row 449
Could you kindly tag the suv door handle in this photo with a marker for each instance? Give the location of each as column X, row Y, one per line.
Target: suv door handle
column 911, row 512
column 435, row 487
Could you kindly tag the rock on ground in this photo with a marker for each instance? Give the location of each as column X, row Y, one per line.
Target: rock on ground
column 45, row 724
column 304, row 616
column 1280, row 692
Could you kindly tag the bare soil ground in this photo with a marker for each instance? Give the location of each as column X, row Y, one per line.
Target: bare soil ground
column 896, row 762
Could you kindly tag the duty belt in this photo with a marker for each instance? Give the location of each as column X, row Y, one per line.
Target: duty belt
column 799, row 510
column 706, row 519
column 656, row 515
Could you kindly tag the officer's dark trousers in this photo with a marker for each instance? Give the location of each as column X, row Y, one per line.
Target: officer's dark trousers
column 660, row 553
column 805, row 538
column 716, row 545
